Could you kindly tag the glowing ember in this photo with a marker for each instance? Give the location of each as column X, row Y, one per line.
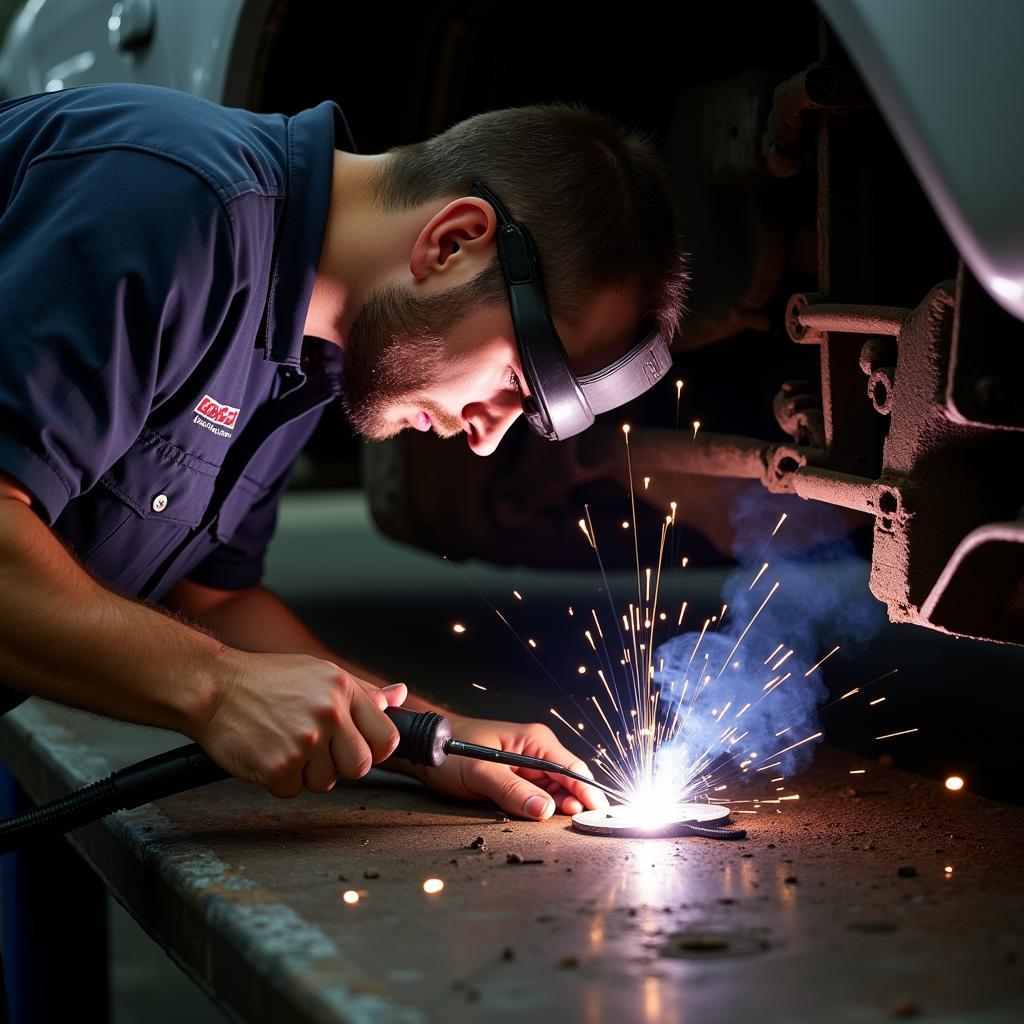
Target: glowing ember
column 948, row 869
column 432, row 885
column 350, row 896
column 955, row 783
column 458, row 627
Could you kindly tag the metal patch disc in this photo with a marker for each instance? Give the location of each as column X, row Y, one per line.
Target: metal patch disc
column 628, row 822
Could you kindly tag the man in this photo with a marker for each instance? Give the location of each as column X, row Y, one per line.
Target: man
column 183, row 288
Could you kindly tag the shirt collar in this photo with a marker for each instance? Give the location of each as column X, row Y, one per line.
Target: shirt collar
column 313, row 135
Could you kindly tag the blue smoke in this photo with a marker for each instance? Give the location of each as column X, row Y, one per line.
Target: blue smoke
column 738, row 715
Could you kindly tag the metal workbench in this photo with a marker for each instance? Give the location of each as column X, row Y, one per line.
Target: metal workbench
column 809, row 920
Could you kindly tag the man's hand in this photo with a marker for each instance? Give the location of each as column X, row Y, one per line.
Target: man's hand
column 288, row 721
column 519, row 791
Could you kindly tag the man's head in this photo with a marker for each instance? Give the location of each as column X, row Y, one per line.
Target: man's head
column 434, row 345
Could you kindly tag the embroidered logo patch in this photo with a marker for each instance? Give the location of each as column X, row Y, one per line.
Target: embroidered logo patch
column 216, row 416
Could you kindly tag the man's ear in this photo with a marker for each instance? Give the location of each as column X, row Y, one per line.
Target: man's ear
column 460, row 232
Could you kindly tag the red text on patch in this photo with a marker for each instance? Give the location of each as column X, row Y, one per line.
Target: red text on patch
column 212, row 410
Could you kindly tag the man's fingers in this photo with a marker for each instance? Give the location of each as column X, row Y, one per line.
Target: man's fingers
column 320, row 773
column 351, row 755
column 511, row 792
column 286, row 788
column 395, row 694
column 392, row 695
column 564, row 800
column 588, row 795
column 377, row 729
column 542, row 742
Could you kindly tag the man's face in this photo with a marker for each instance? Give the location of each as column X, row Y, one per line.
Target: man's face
column 448, row 362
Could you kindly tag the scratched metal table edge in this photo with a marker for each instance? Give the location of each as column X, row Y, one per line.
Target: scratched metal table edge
column 289, row 976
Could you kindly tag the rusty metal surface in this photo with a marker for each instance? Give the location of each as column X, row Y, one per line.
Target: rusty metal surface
column 817, row 87
column 840, row 909
column 945, row 556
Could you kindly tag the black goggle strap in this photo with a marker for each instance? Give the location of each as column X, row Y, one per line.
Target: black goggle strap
column 556, row 406
column 629, row 376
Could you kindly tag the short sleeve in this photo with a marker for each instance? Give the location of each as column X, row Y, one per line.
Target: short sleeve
column 117, row 273
column 239, row 562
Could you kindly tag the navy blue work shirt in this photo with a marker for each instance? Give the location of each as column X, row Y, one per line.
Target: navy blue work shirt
column 157, row 257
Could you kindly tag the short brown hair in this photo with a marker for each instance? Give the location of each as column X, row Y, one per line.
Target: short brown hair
column 594, row 194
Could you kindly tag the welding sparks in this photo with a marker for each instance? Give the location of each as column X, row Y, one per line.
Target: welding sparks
column 818, row 664
column 648, row 724
column 758, row 576
column 478, row 686
column 458, row 627
column 902, row 732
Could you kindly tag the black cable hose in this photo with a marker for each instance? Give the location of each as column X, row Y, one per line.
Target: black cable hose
column 59, row 816
column 173, row 772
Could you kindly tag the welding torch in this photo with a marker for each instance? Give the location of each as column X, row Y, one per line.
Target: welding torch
column 424, row 738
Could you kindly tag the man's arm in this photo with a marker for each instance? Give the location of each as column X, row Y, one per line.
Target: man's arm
column 256, row 619
column 279, row 720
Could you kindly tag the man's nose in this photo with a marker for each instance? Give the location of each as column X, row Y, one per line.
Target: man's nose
column 487, row 422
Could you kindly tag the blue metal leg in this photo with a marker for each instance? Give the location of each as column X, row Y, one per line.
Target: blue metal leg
column 55, row 940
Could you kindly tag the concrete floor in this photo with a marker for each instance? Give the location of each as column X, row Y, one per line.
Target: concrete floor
column 618, row 918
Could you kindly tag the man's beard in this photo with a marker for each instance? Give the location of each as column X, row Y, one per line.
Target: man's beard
column 395, row 352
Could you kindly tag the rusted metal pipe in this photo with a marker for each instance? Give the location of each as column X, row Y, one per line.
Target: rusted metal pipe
column 853, row 492
column 827, row 317
column 817, row 87
column 653, row 450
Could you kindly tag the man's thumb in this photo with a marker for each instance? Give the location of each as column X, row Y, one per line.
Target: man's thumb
column 514, row 794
